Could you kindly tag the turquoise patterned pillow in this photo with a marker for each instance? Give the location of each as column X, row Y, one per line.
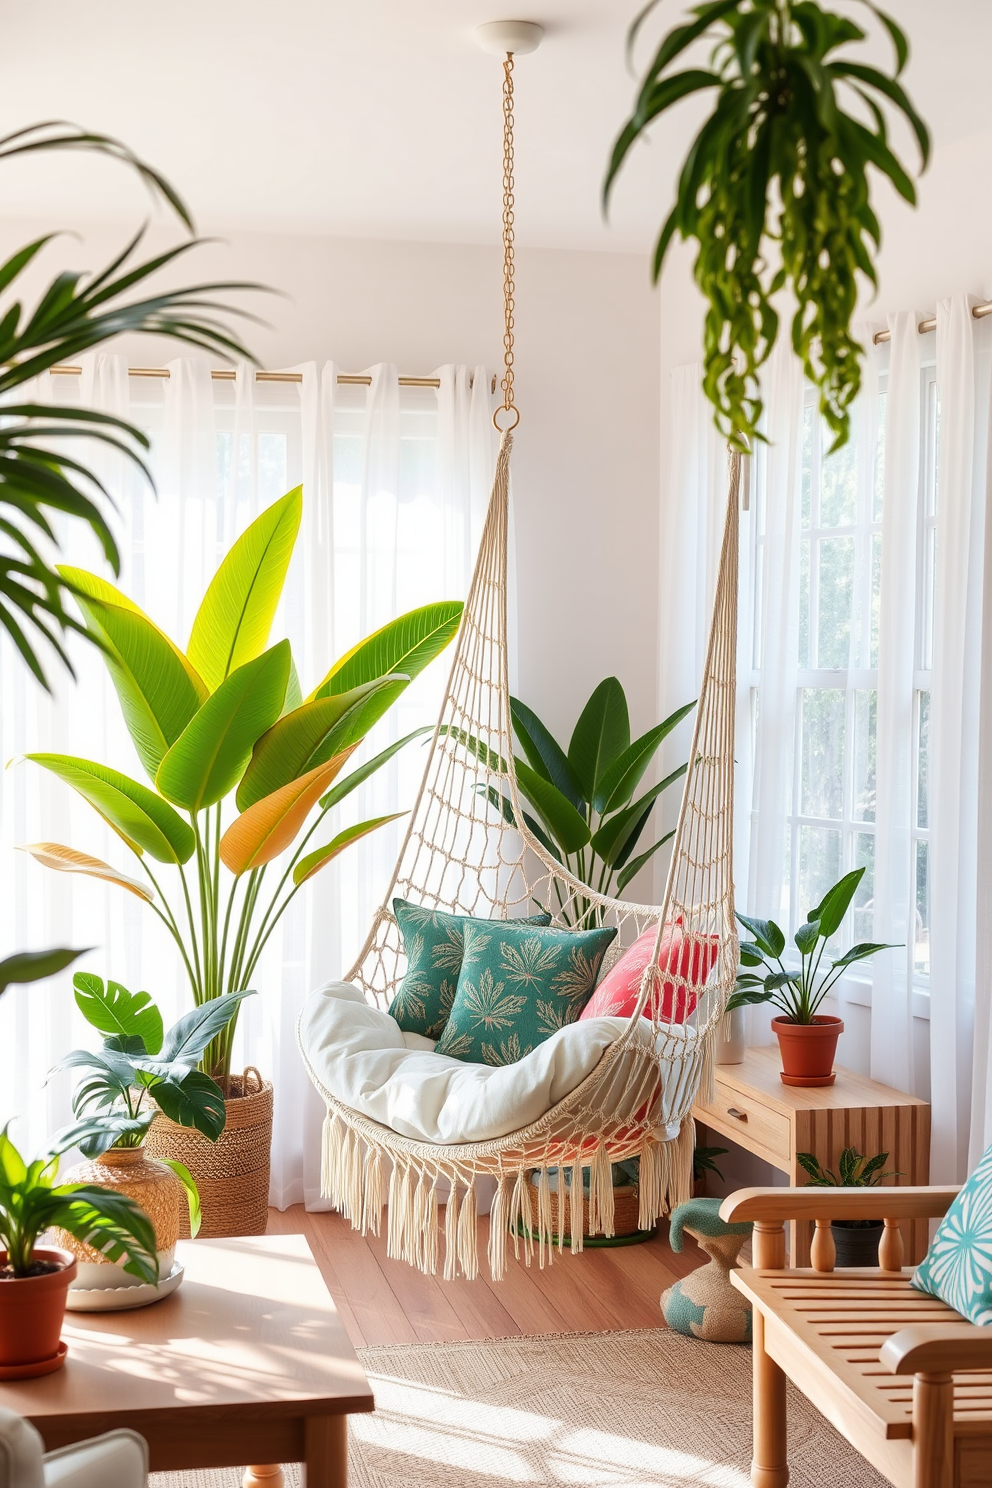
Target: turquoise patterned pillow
column 958, row 1266
column 432, row 941
column 518, row 985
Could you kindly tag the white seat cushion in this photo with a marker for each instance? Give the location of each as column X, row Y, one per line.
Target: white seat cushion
column 364, row 1059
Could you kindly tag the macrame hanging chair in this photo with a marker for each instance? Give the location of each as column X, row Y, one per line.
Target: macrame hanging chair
column 461, row 855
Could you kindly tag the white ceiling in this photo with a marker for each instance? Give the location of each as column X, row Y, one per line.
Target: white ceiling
column 381, row 118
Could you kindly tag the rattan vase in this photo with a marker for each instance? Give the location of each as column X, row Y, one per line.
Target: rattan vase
column 154, row 1187
column 232, row 1173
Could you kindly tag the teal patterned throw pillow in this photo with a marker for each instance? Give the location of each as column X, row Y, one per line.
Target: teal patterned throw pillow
column 518, row 985
column 958, row 1266
column 432, row 941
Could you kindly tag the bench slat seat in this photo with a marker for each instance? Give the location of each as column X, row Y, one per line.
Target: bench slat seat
column 843, row 1318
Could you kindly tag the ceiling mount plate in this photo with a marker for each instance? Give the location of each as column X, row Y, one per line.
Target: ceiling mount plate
column 500, row 37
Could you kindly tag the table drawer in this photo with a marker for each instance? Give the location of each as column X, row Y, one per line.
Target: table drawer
column 747, row 1121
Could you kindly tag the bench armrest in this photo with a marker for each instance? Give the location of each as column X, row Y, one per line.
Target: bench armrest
column 944, row 1349
column 780, row 1204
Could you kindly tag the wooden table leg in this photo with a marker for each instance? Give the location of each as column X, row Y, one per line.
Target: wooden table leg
column 262, row 1476
column 326, row 1443
column 770, row 1464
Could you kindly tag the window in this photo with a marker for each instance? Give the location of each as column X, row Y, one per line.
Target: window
column 830, row 826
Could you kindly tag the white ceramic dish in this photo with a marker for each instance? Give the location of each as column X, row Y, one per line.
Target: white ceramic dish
column 117, row 1299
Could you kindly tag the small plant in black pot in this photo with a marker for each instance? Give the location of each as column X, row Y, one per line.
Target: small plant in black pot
column 855, row 1240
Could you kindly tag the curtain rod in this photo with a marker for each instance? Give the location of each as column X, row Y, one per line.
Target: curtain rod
column 930, row 323
column 228, row 374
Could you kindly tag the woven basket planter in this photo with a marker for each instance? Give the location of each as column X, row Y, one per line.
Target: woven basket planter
column 626, row 1202
column 232, row 1173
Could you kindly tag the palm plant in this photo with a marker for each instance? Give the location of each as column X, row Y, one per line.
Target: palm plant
column 225, row 723
column 40, row 481
column 32, row 1201
column 584, row 813
column 775, row 188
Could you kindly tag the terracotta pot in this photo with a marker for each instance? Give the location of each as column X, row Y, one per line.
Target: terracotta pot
column 232, row 1173
column 153, row 1187
column 808, row 1049
column 856, row 1245
column 31, row 1312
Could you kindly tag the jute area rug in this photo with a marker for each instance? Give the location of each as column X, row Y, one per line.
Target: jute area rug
column 645, row 1409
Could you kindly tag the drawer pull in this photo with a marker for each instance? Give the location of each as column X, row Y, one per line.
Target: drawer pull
column 737, row 1115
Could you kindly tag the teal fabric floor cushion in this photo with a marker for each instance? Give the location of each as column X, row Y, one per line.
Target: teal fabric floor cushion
column 958, row 1266
column 706, row 1304
column 432, row 941
column 518, row 985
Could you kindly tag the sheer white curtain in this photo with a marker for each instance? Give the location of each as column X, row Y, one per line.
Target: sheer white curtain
column 962, row 587
column 395, row 484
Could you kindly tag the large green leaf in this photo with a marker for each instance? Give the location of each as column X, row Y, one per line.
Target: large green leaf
column 143, row 819
column 35, row 966
column 300, row 741
column 829, row 913
column 600, row 737
column 544, row 753
column 186, row 1040
column 620, row 781
column 361, row 774
column 233, row 622
column 209, row 757
column 567, row 827
column 158, row 690
column 313, row 862
column 194, row 1100
column 406, row 645
column 616, row 832
column 636, row 864
column 112, row 1009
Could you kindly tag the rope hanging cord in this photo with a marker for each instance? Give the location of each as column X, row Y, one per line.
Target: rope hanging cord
column 507, row 416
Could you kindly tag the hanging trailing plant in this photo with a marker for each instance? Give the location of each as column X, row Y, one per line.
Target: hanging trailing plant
column 774, row 190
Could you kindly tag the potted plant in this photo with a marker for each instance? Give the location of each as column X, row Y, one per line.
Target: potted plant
column 140, row 1069
column 243, row 770
column 34, row 1280
column 582, row 796
column 775, row 189
column 855, row 1240
column 807, row 1038
column 703, row 1162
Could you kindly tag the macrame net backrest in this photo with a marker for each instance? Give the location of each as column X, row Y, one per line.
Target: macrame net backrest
column 469, row 851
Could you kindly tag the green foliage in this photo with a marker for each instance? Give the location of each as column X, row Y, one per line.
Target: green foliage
column 584, row 813
column 31, row 1201
column 855, row 1171
column 141, row 1066
column 40, row 480
column 775, row 188
column 35, row 966
column 798, row 994
column 225, row 720
column 704, row 1160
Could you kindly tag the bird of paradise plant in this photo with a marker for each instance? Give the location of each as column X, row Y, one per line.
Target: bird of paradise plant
column 226, row 719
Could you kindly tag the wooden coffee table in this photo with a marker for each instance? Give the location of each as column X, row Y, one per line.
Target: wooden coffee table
column 247, row 1362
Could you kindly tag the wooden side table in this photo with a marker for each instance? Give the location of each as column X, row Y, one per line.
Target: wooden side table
column 248, row 1362
column 774, row 1121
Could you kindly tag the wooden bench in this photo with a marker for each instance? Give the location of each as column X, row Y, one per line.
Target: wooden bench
column 902, row 1376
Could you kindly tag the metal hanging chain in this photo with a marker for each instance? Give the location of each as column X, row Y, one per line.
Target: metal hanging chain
column 508, row 406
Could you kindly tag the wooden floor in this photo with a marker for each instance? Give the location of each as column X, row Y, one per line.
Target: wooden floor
column 384, row 1301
